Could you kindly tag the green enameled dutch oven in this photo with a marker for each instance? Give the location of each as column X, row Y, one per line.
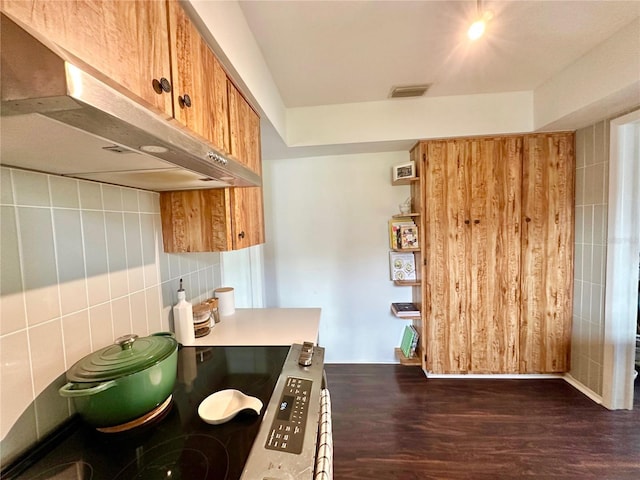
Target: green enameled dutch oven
column 124, row 381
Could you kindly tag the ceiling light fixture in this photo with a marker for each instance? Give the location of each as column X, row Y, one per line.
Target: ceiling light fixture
column 477, row 28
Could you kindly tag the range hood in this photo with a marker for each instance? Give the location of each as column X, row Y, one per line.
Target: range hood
column 59, row 118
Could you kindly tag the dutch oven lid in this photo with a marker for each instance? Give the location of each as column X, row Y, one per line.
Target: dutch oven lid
column 128, row 355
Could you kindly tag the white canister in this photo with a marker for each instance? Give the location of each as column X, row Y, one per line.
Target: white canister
column 226, row 301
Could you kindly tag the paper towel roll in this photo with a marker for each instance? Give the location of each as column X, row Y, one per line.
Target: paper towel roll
column 226, row 302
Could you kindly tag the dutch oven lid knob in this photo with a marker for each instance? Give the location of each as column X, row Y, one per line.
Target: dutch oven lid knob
column 126, row 341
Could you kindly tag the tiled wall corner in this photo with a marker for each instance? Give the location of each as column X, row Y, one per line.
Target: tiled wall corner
column 592, row 166
column 81, row 264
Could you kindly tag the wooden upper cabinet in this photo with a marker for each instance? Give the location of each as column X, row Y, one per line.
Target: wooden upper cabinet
column 213, row 220
column 125, row 42
column 547, row 252
column 248, row 217
column 244, row 125
column 196, row 220
column 199, row 81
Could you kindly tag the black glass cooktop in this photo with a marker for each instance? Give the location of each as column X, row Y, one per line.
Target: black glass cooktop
column 177, row 444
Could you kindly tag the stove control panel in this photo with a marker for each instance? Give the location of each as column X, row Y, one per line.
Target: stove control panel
column 287, row 428
column 286, row 444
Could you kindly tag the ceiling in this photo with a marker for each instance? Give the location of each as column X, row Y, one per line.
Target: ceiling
column 335, row 52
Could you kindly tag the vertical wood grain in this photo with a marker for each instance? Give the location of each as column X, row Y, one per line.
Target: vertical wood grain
column 196, row 220
column 446, row 246
column 127, row 43
column 547, row 252
column 248, row 216
column 244, row 126
column 495, row 254
column 199, row 74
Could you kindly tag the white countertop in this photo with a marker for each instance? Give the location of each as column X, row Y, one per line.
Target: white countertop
column 264, row 326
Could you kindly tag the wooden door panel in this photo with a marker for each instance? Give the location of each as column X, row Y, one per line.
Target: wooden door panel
column 495, row 255
column 244, row 130
column 248, row 224
column 196, row 220
column 446, row 245
column 547, row 252
column 198, row 74
column 127, row 43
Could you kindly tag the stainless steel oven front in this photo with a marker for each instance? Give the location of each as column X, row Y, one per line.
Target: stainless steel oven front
column 295, row 437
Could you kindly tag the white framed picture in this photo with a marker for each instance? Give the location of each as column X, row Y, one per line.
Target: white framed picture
column 404, row 171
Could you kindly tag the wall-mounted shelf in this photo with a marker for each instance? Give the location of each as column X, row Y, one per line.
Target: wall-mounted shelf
column 412, row 315
column 404, row 215
column 405, row 181
column 415, row 360
column 407, row 283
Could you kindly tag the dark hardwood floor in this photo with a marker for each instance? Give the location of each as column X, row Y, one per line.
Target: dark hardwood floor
column 391, row 422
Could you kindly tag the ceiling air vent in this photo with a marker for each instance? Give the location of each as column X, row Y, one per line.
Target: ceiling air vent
column 409, row 91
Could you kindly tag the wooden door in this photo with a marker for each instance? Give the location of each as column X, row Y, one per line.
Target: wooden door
column 244, row 124
column 446, row 250
column 472, row 247
column 248, row 217
column 547, row 252
column 495, row 167
column 125, row 42
column 199, row 81
column 196, row 220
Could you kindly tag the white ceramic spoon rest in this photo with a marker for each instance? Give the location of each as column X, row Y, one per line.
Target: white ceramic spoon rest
column 222, row 406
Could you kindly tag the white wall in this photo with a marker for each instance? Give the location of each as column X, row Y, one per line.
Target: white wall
column 327, row 246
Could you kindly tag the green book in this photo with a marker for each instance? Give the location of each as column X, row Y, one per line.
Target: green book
column 407, row 340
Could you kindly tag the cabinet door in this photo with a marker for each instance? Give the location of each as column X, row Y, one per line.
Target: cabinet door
column 496, row 165
column 244, row 125
column 196, row 220
column 446, row 249
column 472, row 246
column 547, row 252
column 248, row 216
column 199, row 81
column 125, row 42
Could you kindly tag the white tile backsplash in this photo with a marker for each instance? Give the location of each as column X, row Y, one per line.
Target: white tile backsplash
column 70, row 260
column 121, row 315
column 112, row 197
column 77, row 336
column 594, row 184
column 90, row 196
column 30, row 189
column 64, row 192
column 12, row 308
column 6, row 187
column 81, row 264
column 17, row 381
column 592, row 146
column 101, row 326
column 130, row 200
column 47, row 353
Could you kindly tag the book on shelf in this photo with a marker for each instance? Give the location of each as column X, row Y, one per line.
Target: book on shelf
column 402, row 266
column 395, row 231
column 409, row 341
column 405, row 309
column 409, row 236
column 414, row 341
